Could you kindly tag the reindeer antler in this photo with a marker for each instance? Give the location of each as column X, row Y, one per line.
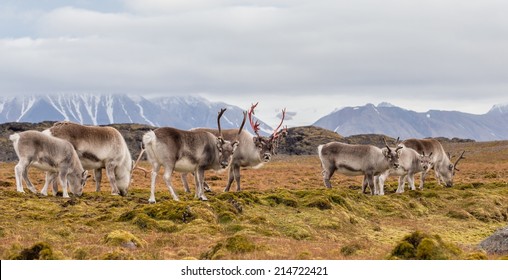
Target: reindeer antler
column 254, row 125
column 135, row 166
column 243, row 122
column 218, row 120
column 457, row 161
column 276, row 131
column 386, row 144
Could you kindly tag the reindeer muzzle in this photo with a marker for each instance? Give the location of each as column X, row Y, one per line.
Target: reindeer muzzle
column 224, row 164
column 267, row 157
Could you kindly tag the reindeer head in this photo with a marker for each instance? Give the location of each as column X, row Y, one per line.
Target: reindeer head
column 224, row 147
column 77, row 181
column 266, row 146
column 447, row 172
column 392, row 155
column 426, row 161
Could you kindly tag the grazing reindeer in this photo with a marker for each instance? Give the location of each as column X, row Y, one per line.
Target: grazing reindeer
column 54, row 155
column 187, row 151
column 252, row 151
column 443, row 167
column 98, row 148
column 410, row 163
column 354, row 160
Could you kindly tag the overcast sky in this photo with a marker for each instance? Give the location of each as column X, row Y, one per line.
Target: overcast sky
column 308, row 56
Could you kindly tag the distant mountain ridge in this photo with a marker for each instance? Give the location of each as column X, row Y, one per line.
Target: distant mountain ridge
column 183, row 112
column 398, row 122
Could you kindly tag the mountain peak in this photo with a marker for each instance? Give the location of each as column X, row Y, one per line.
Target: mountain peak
column 385, row 105
column 499, row 109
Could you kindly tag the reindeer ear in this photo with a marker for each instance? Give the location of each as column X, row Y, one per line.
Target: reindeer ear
column 385, row 152
column 235, row 144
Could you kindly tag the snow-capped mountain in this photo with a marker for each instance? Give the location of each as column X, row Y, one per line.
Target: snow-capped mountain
column 397, row 122
column 182, row 112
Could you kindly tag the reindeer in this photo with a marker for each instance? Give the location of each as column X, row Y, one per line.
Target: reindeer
column 354, row 160
column 98, row 148
column 443, row 167
column 410, row 163
column 252, row 151
column 54, row 155
column 187, row 151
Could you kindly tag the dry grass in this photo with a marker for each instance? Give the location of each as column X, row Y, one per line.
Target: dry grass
column 283, row 212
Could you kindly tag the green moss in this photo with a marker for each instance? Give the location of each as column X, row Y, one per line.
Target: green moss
column 350, row 249
column 239, row 244
column 428, row 249
column 171, row 210
column 80, row 254
column 117, row 255
column 341, row 201
column 319, row 203
column 477, row 256
column 421, row 246
column 458, row 214
column 142, row 221
column 39, row 251
column 122, row 238
column 226, row 217
column 404, row 251
column 280, row 198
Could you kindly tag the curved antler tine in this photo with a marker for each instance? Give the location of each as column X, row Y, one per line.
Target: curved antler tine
column 460, row 157
column 243, row 122
column 276, row 131
column 386, row 144
column 135, row 166
column 254, row 125
column 397, row 141
column 218, row 120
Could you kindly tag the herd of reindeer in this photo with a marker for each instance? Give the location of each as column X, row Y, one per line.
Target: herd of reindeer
column 67, row 150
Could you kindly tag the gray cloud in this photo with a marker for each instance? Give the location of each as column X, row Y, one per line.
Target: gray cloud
column 418, row 53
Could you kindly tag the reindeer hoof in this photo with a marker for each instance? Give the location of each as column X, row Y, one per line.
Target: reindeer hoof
column 203, row 198
column 151, row 201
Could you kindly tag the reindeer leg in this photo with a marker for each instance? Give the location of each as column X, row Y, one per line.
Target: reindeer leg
column 236, row 172
column 381, row 183
column 18, row 171
column 49, row 180
column 62, row 176
column 422, row 179
column 438, row 178
column 185, row 182
column 231, row 178
column 200, row 177
column 97, row 173
column 155, row 169
column 411, row 181
column 54, row 183
column 365, row 183
column 27, row 180
column 327, row 174
column 110, row 171
column 168, row 171
column 370, row 180
column 402, row 182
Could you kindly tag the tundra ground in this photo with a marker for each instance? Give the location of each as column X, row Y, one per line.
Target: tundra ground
column 283, row 212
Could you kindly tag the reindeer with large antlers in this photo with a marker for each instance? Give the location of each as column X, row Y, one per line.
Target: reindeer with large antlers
column 187, row 151
column 252, row 151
